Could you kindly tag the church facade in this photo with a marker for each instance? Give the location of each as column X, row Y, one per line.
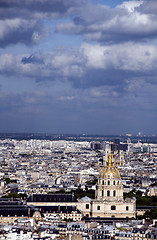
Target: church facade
column 109, row 201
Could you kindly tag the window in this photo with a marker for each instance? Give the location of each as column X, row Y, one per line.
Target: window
column 108, row 193
column 103, row 182
column 114, row 193
column 108, row 182
column 102, row 193
column 113, row 207
column 114, row 182
column 127, row 208
column 87, row 206
column 98, row 207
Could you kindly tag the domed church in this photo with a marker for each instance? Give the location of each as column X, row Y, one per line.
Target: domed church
column 109, row 201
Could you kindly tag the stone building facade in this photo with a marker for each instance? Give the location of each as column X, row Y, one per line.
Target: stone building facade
column 109, row 201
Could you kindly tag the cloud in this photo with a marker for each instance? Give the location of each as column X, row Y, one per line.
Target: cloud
column 21, row 31
column 107, row 82
column 57, row 64
column 25, row 102
column 73, row 110
column 127, row 57
column 126, row 22
column 38, row 8
column 32, row 59
column 148, row 7
column 88, row 65
column 22, row 21
column 95, row 109
column 131, row 5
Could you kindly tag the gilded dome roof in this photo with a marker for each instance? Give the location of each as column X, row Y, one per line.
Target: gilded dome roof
column 109, row 171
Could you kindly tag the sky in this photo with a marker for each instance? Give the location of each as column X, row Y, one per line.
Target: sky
column 78, row 66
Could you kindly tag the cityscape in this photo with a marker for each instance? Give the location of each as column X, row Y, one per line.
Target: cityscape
column 78, row 189
column 78, row 119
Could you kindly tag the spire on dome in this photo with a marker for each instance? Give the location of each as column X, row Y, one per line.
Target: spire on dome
column 110, row 170
column 109, row 161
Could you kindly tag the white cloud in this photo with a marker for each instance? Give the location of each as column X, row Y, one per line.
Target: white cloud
column 126, row 22
column 128, row 56
column 131, row 5
column 77, row 63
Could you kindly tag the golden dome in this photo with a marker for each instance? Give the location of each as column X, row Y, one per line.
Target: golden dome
column 109, row 171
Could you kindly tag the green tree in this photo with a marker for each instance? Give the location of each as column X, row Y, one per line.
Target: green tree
column 141, row 200
column 152, row 214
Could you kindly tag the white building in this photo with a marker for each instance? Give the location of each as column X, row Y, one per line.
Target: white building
column 109, row 200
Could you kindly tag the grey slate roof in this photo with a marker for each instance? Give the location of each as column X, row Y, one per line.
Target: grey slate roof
column 52, row 198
